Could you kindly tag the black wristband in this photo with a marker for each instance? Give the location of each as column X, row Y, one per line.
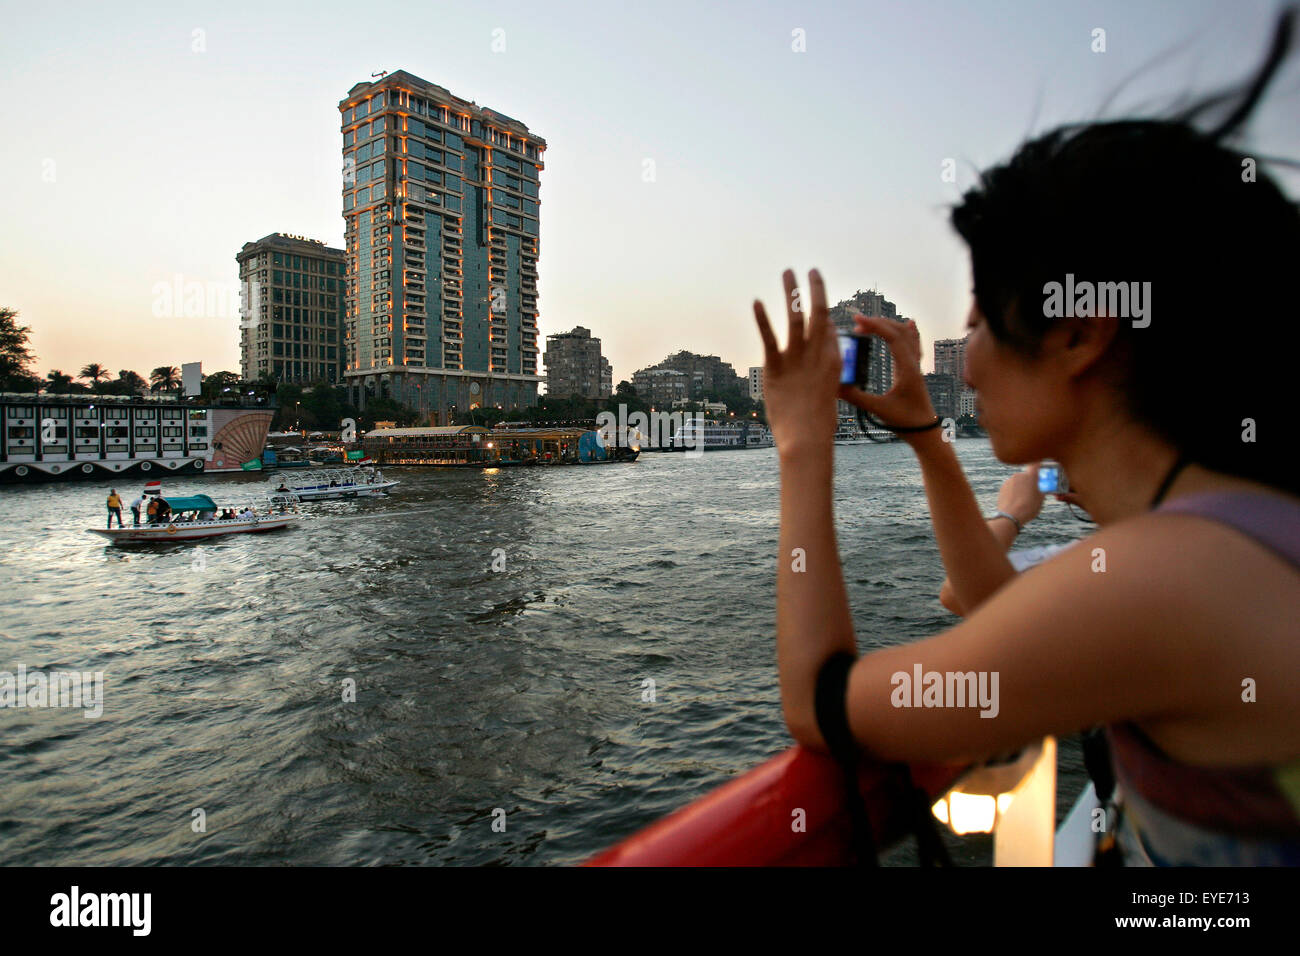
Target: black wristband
column 829, row 705
column 863, row 413
column 916, row 428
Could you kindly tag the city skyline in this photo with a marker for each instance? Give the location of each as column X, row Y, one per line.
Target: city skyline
column 196, row 134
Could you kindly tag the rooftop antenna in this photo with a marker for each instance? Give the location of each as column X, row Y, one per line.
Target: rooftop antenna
column 380, row 75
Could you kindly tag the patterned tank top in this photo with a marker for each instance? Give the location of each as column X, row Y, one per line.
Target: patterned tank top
column 1174, row 814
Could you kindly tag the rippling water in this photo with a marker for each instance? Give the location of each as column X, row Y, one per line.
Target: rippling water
column 224, row 663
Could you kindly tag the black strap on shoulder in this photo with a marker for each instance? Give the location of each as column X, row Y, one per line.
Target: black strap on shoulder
column 1096, row 760
column 833, row 722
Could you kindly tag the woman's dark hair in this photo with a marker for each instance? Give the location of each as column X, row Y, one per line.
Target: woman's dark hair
column 1163, row 202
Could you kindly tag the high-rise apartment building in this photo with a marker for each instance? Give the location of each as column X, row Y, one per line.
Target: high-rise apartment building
column 440, row 201
column 291, row 310
column 756, row 382
column 950, row 359
column 574, row 366
column 943, row 393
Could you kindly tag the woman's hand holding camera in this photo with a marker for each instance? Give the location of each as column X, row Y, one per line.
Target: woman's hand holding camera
column 907, row 403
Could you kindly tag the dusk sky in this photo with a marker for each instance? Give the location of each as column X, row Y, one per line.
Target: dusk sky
column 139, row 152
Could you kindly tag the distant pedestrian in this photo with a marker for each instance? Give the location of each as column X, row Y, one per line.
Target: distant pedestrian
column 114, row 507
column 135, row 511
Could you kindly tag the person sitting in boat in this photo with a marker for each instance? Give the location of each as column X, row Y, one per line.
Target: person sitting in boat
column 1173, row 625
column 283, row 487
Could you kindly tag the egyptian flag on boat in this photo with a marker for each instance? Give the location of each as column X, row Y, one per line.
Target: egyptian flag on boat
column 153, row 488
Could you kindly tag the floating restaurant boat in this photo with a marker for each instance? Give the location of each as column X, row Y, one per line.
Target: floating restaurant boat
column 51, row 437
column 473, row 446
column 194, row 517
column 323, row 484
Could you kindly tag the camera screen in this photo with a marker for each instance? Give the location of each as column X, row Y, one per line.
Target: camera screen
column 1049, row 479
column 848, row 359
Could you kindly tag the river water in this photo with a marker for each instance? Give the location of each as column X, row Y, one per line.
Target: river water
column 476, row 690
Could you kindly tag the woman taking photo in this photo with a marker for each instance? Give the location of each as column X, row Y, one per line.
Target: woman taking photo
column 1174, row 626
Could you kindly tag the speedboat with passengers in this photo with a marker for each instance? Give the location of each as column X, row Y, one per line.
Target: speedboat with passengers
column 324, row 483
column 194, row 517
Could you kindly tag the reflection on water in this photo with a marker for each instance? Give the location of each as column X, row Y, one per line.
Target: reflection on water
column 475, row 689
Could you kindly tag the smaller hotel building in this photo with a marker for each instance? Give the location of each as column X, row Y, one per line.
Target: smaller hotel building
column 291, row 310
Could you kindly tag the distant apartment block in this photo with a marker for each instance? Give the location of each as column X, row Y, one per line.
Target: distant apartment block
column 707, row 376
column 291, row 310
column 950, row 359
column 441, row 206
column 756, row 382
column 943, row 393
column 574, row 366
column 661, row 386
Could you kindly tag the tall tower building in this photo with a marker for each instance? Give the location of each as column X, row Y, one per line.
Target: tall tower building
column 440, row 204
column 291, row 310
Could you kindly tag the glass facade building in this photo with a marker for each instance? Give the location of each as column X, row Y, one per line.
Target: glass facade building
column 291, row 310
column 441, row 207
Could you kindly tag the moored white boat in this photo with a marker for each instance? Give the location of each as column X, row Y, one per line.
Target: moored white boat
column 849, row 432
column 325, row 483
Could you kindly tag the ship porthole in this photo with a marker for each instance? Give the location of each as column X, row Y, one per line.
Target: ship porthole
column 87, row 468
column 198, row 465
column 146, row 466
column 54, row 469
column 21, row 471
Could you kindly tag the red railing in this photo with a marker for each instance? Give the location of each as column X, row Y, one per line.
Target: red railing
column 754, row 820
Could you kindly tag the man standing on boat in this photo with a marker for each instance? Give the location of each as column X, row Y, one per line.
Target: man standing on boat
column 135, row 510
column 114, row 507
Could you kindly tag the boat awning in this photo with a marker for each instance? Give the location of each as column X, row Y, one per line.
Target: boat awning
column 191, row 503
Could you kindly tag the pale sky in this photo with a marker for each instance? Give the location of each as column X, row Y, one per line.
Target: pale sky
column 138, row 153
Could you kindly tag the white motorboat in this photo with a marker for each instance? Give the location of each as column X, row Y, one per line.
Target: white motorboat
column 319, row 484
column 194, row 517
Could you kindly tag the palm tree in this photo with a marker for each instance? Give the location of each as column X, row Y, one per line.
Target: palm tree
column 165, row 378
column 96, row 373
column 57, row 382
column 131, row 383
